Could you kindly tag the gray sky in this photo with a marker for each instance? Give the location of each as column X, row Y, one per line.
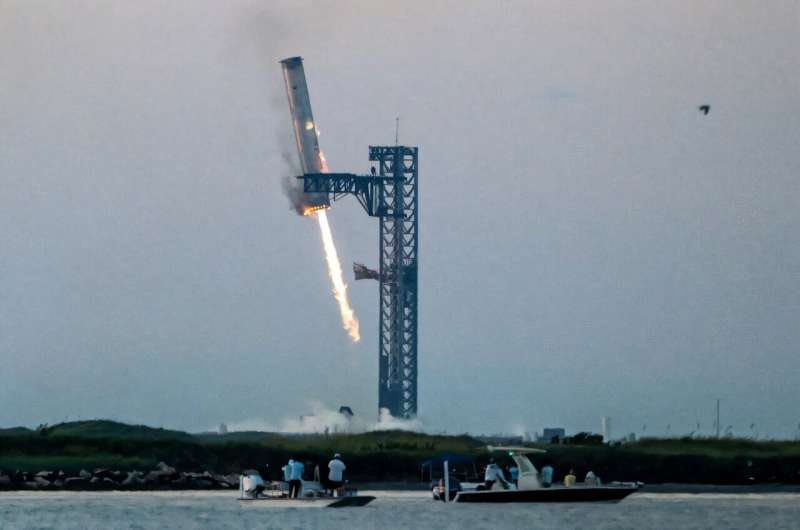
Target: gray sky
column 590, row 243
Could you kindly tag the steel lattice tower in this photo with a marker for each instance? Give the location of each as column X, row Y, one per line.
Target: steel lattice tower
column 389, row 193
column 397, row 368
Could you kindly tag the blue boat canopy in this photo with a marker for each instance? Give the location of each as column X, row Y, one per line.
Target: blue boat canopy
column 452, row 458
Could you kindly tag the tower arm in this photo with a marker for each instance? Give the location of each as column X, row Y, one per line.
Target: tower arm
column 367, row 189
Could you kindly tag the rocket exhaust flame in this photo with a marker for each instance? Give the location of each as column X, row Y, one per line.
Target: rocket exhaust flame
column 349, row 320
column 311, row 210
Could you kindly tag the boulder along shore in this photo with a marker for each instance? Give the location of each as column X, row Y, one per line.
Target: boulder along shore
column 163, row 477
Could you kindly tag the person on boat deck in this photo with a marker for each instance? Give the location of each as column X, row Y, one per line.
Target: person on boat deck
column 591, row 479
column 255, row 484
column 335, row 472
column 287, row 471
column 514, row 474
column 570, row 479
column 547, row 476
column 455, row 487
column 492, row 473
column 295, row 479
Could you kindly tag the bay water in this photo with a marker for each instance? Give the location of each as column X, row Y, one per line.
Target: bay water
column 390, row 510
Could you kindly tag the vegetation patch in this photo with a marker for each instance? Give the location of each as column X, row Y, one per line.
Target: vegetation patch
column 385, row 455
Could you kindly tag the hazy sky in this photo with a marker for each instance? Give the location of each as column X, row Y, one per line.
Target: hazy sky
column 591, row 244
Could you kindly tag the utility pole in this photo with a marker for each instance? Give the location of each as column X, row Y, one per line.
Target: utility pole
column 717, row 417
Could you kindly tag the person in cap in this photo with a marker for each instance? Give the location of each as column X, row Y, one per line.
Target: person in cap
column 336, row 472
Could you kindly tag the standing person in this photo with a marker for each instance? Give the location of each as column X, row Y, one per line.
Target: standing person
column 295, row 478
column 570, row 479
column 514, row 473
column 547, row 476
column 287, row 471
column 335, row 472
column 492, row 473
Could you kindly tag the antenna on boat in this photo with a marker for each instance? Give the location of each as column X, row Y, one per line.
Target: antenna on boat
column 446, row 481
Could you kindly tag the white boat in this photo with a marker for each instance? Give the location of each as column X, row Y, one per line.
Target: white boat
column 530, row 489
column 253, row 488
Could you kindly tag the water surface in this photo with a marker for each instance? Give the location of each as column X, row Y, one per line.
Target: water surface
column 190, row 510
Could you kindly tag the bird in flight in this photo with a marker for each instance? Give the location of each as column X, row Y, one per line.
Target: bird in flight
column 704, row 109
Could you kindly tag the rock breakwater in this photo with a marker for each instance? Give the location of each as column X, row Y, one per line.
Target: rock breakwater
column 163, row 477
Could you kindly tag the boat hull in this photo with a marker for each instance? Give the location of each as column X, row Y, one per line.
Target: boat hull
column 317, row 502
column 577, row 494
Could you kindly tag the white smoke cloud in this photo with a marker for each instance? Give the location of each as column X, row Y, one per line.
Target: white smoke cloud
column 323, row 419
column 387, row 422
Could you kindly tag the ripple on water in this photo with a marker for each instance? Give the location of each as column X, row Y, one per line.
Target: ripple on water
column 144, row 510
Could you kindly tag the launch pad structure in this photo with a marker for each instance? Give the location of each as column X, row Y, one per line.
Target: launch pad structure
column 389, row 193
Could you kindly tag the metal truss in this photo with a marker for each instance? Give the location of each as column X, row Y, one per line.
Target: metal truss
column 390, row 194
column 365, row 188
column 397, row 369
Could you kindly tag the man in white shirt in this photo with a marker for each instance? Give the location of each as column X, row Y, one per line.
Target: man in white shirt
column 492, row 473
column 252, row 484
column 335, row 472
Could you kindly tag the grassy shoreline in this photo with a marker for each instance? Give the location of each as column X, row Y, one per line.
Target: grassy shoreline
column 384, row 455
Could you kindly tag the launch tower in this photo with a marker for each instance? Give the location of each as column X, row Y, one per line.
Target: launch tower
column 390, row 193
column 398, row 238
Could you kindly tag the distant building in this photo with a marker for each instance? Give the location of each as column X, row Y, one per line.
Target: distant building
column 605, row 424
column 552, row 435
column 223, row 429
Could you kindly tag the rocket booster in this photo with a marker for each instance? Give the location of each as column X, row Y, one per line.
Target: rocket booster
column 305, row 130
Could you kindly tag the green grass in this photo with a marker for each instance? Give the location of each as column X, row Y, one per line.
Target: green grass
column 385, row 455
column 713, row 447
column 401, row 441
column 15, row 431
column 73, row 464
column 112, row 429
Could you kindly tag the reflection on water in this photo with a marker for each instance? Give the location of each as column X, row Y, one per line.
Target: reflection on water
column 392, row 510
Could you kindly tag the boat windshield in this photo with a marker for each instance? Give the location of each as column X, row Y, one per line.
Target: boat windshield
column 520, row 456
column 523, row 464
